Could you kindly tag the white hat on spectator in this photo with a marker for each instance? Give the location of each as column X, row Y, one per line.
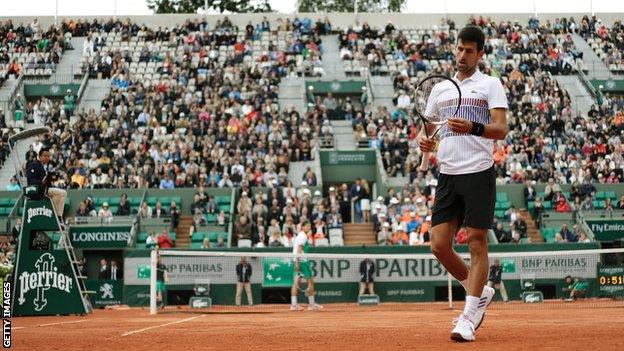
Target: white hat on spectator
column 103, row 108
column 419, row 201
column 428, row 218
column 533, row 182
column 105, row 204
column 304, row 183
column 394, row 201
column 182, row 114
column 378, row 206
column 406, row 200
column 433, row 182
column 306, row 191
column 317, row 193
column 386, row 224
column 382, row 215
column 412, row 214
column 331, row 188
column 380, row 198
column 289, row 201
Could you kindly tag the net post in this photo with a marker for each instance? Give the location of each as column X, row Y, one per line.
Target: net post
column 450, row 290
column 153, row 273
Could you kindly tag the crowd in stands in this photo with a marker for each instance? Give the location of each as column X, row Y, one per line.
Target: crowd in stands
column 548, row 138
column 30, row 49
column 273, row 219
column 213, row 122
column 607, row 41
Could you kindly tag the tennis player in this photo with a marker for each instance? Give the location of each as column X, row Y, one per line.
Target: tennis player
column 466, row 185
column 303, row 270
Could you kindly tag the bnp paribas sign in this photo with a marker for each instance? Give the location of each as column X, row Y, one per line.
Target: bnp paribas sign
column 100, row 237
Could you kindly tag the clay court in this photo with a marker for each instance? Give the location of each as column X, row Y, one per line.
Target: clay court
column 513, row 326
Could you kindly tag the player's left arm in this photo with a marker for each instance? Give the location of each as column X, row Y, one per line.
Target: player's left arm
column 498, row 128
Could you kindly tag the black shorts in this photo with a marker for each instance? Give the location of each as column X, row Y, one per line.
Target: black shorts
column 467, row 197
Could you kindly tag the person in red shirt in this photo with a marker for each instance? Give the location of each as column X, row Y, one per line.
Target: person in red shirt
column 164, row 240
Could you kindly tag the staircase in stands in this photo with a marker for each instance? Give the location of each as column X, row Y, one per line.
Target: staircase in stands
column 356, row 234
column 532, row 232
column 183, row 239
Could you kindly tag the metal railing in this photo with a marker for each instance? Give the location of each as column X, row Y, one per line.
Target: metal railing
column 580, row 221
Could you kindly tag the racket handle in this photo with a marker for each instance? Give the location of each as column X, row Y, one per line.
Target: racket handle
column 424, row 162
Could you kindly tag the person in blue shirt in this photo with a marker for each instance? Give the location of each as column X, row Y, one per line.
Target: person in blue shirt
column 14, row 185
column 413, row 225
column 166, row 183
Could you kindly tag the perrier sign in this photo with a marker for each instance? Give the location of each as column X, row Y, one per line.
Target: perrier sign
column 44, row 282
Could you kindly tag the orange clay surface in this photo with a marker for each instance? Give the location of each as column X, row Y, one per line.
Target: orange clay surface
column 580, row 325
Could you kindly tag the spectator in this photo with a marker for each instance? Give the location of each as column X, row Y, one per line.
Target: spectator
column 502, row 235
column 159, row 211
column 400, row 238
column 220, row 241
column 365, row 202
column 495, row 279
column 174, row 213
column 164, row 240
column 16, row 230
column 222, row 220
column 151, row 241
column 104, row 270
column 583, row 238
column 145, row 211
column 570, row 236
column 205, row 244
column 82, row 210
column 356, row 196
column 105, row 212
column 367, row 270
column 242, row 229
column 124, row 206
column 620, row 203
column 13, row 185
column 530, row 192
column 559, row 238
column 243, row 276
column 384, row 236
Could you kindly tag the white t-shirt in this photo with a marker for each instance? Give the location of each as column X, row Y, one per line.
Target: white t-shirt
column 300, row 240
column 466, row 153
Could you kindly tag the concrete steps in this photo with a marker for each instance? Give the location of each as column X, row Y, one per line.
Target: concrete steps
column 183, row 239
column 332, row 63
column 534, row 234
column 343, row 134
column 356, row 234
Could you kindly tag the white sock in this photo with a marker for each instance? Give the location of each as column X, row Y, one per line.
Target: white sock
column 293, row 300
column 464, row 283
column 470, row 309
column 311, row 299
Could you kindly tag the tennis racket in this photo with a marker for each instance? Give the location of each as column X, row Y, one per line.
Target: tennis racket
column 437, row 99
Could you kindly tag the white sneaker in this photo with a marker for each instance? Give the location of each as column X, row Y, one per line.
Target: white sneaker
column 464, row 329
column 315, row 307
column 486, row 298
column 296, row 308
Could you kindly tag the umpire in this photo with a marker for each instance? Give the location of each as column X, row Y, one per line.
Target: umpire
column 367, row 269
column 40, row 173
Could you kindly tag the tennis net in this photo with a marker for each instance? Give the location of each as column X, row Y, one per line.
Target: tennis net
column 208, row 279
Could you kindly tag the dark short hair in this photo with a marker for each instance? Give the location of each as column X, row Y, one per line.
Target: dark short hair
column 472, row 34
column 43, row 149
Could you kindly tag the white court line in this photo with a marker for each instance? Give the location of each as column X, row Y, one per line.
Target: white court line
column 161, row 325
column 16, row 328
column 69, row 322
column 488, row 313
